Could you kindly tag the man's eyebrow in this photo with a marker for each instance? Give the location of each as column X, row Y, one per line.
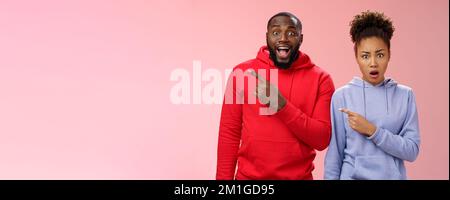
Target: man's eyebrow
column 277, row 25
column 379, row 50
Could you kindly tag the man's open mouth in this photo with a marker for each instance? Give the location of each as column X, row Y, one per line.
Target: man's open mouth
column 283, row 52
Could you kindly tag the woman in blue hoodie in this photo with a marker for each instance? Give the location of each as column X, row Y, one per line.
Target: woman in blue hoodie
column 374, row 120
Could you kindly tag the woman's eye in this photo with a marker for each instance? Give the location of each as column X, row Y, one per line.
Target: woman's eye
column 291, row 34
column 364, row 56
column 275, row 33
column 380, row 55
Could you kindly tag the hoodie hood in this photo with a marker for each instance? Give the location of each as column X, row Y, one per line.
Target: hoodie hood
column 303, row 60
column 357, row 81
column 384, row 85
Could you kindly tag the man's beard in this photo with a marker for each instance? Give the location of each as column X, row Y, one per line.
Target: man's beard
column 292, row 57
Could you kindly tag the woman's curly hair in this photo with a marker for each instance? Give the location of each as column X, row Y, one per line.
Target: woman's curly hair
column 371, row 24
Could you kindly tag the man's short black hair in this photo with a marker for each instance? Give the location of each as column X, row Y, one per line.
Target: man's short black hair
column 287, row 14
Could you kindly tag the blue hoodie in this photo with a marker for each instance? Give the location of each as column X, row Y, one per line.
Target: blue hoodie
column 392, row 109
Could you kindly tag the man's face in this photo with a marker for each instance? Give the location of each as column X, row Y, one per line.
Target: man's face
column 283, row 39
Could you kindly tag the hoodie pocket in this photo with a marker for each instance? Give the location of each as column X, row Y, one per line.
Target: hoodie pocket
column 275, row 158
column 375, row 168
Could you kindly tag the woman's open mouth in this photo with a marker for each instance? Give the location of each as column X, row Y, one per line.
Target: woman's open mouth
column 374, row 74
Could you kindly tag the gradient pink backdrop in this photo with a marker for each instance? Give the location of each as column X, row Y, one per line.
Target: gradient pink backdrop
column 84, row 85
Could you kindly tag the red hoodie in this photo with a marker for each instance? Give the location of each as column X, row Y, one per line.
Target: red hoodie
column 279, row 146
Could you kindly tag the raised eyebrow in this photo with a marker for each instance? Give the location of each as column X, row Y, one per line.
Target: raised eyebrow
column 377, row 51
column 277, row 25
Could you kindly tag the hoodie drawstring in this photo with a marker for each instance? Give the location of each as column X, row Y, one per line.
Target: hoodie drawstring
column 386, row 97
column 364, row 98
column 292, row 82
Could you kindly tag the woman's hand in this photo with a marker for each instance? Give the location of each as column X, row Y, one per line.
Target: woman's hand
column 359, row 123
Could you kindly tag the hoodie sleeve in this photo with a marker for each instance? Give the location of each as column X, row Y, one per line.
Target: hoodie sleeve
column 313, row 130
column 405, row 144
column 335, row 152
column 229, row 134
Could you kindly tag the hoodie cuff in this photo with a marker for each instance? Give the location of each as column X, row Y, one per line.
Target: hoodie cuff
column 288, row 113
column 377, row 136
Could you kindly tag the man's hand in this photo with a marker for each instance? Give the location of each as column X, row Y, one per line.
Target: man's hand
column 265, row 88
column 359, row 123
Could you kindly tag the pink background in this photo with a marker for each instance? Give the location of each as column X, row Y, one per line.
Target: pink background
column 84, row 85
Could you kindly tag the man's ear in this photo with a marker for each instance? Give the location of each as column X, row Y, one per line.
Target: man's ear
column 301, row 38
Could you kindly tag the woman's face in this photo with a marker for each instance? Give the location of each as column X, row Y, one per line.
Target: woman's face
column 372, row 55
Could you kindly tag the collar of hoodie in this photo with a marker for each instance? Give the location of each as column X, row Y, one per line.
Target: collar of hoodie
column 387, row 83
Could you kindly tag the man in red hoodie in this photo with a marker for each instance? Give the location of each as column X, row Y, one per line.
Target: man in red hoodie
column 281, row 145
